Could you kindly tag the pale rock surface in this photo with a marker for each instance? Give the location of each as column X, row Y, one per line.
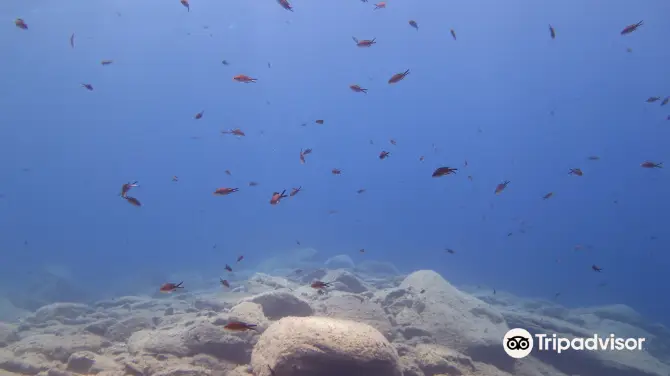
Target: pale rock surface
column 613, row 363
column 427, row 305
column 356, row 308
column 123, row 329
column 88, row 362
column 249, row 312
column 343, row 280
column 61, row 312
column 301, row 346
column 271, row 282
column 436, row 330
column 278, row 304
column 192, row 337
column 55, row 347
column 8, row 334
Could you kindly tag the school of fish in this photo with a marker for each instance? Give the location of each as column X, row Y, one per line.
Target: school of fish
column 276, row 197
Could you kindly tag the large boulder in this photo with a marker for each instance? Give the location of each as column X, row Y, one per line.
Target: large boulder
column 301, row 346
column 426, row 305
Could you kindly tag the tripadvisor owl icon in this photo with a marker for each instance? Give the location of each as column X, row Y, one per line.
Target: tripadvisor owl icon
column 518, row 343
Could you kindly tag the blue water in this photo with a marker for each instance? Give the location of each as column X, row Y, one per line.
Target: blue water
column 504, row 96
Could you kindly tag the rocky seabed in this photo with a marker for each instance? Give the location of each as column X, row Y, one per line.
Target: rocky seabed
column 413, row 325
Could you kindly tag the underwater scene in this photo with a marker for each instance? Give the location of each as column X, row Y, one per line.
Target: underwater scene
column 334, row 188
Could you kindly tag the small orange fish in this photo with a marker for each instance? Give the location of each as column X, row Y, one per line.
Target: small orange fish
column 548, row 195
column 276, row 197
column 649, row 164
column 319, row 121
column 285, row 4
column 295, row 191
column 364, row 42
column 199, row 115
column 575, row 171
column 380, row 5
column 88, row 87
column 501, row 187
column 238, row 326
column 224, row 282
column 442, row 171
column 132, row 201
column 398, row 77
column 234, row 132
column 21, row 24
column 319, row 285
column 413, row 24
column 630, row 28
column 384, row 154
column 225, row 191
column 185, row 4
column 228, row 268
column 240, row 258
column 170, row 287
column 358, row 89
column 336, row 171
column 244, row 78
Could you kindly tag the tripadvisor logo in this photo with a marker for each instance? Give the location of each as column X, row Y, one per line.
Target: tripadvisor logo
column 518, row 343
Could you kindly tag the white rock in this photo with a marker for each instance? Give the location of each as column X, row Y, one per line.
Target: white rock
column 301, row 346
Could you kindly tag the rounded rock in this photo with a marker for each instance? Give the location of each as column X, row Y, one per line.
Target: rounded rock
column 300, row 346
